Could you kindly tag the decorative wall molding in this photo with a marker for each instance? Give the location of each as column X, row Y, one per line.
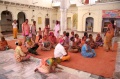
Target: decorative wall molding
column 6, row 3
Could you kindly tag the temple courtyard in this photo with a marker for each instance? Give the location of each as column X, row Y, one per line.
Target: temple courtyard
column 10, row 69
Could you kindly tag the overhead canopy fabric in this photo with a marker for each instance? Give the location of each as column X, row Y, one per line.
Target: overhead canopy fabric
column 111, row 13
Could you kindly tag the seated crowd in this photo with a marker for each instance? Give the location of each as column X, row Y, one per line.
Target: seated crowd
column 62, row 45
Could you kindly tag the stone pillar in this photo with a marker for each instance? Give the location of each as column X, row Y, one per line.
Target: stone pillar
column 63, row 20
column 63, row 10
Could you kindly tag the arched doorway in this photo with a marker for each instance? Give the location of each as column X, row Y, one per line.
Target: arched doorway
column 6, row 21
column 21, row 18
column 89, row 24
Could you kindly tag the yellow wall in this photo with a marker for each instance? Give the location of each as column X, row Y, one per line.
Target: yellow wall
column 96, row 13
column 82, row 11
column 28, row 13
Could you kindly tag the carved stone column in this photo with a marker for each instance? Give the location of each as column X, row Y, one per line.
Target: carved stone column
column 63, row 11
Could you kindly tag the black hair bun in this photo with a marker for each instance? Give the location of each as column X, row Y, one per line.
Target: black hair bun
column 16, row 43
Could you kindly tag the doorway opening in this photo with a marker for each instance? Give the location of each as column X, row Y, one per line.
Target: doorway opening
column 47, row 21
column 6, row 22
column 89, row 24
column 21, row 18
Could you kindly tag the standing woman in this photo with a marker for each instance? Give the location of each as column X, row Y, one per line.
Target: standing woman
column 108, row 37
column 33, row 31
column 14, row 24
column 57, row 29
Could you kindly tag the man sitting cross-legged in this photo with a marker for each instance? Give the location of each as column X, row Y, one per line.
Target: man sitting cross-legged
column 60, row 51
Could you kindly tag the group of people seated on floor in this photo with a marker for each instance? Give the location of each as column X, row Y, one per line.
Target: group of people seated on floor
column 62, row 45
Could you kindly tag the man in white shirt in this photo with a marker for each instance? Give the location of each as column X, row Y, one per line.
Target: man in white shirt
column 60, row 51
column 14, row 24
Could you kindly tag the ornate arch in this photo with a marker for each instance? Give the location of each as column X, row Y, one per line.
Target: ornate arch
column 23, row 13
column 7, row 13
column 86, row 15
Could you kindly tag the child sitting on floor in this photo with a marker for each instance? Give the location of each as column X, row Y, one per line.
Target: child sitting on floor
column 3, row 44
column 72, row 47
column 45, row 43
column 19, row 54
column 77, row 40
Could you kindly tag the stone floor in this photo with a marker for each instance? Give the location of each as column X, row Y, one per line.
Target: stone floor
column 10, row 69
column 117, row 68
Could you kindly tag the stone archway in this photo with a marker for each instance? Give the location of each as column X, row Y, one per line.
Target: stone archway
column 89, row 24
column 89, row 15
column 6, row 21
column 21, row 18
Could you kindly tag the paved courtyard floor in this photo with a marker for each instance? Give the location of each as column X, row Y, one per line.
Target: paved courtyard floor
column 10, row 69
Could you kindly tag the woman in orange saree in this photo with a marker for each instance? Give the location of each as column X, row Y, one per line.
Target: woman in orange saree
column 108, row 37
